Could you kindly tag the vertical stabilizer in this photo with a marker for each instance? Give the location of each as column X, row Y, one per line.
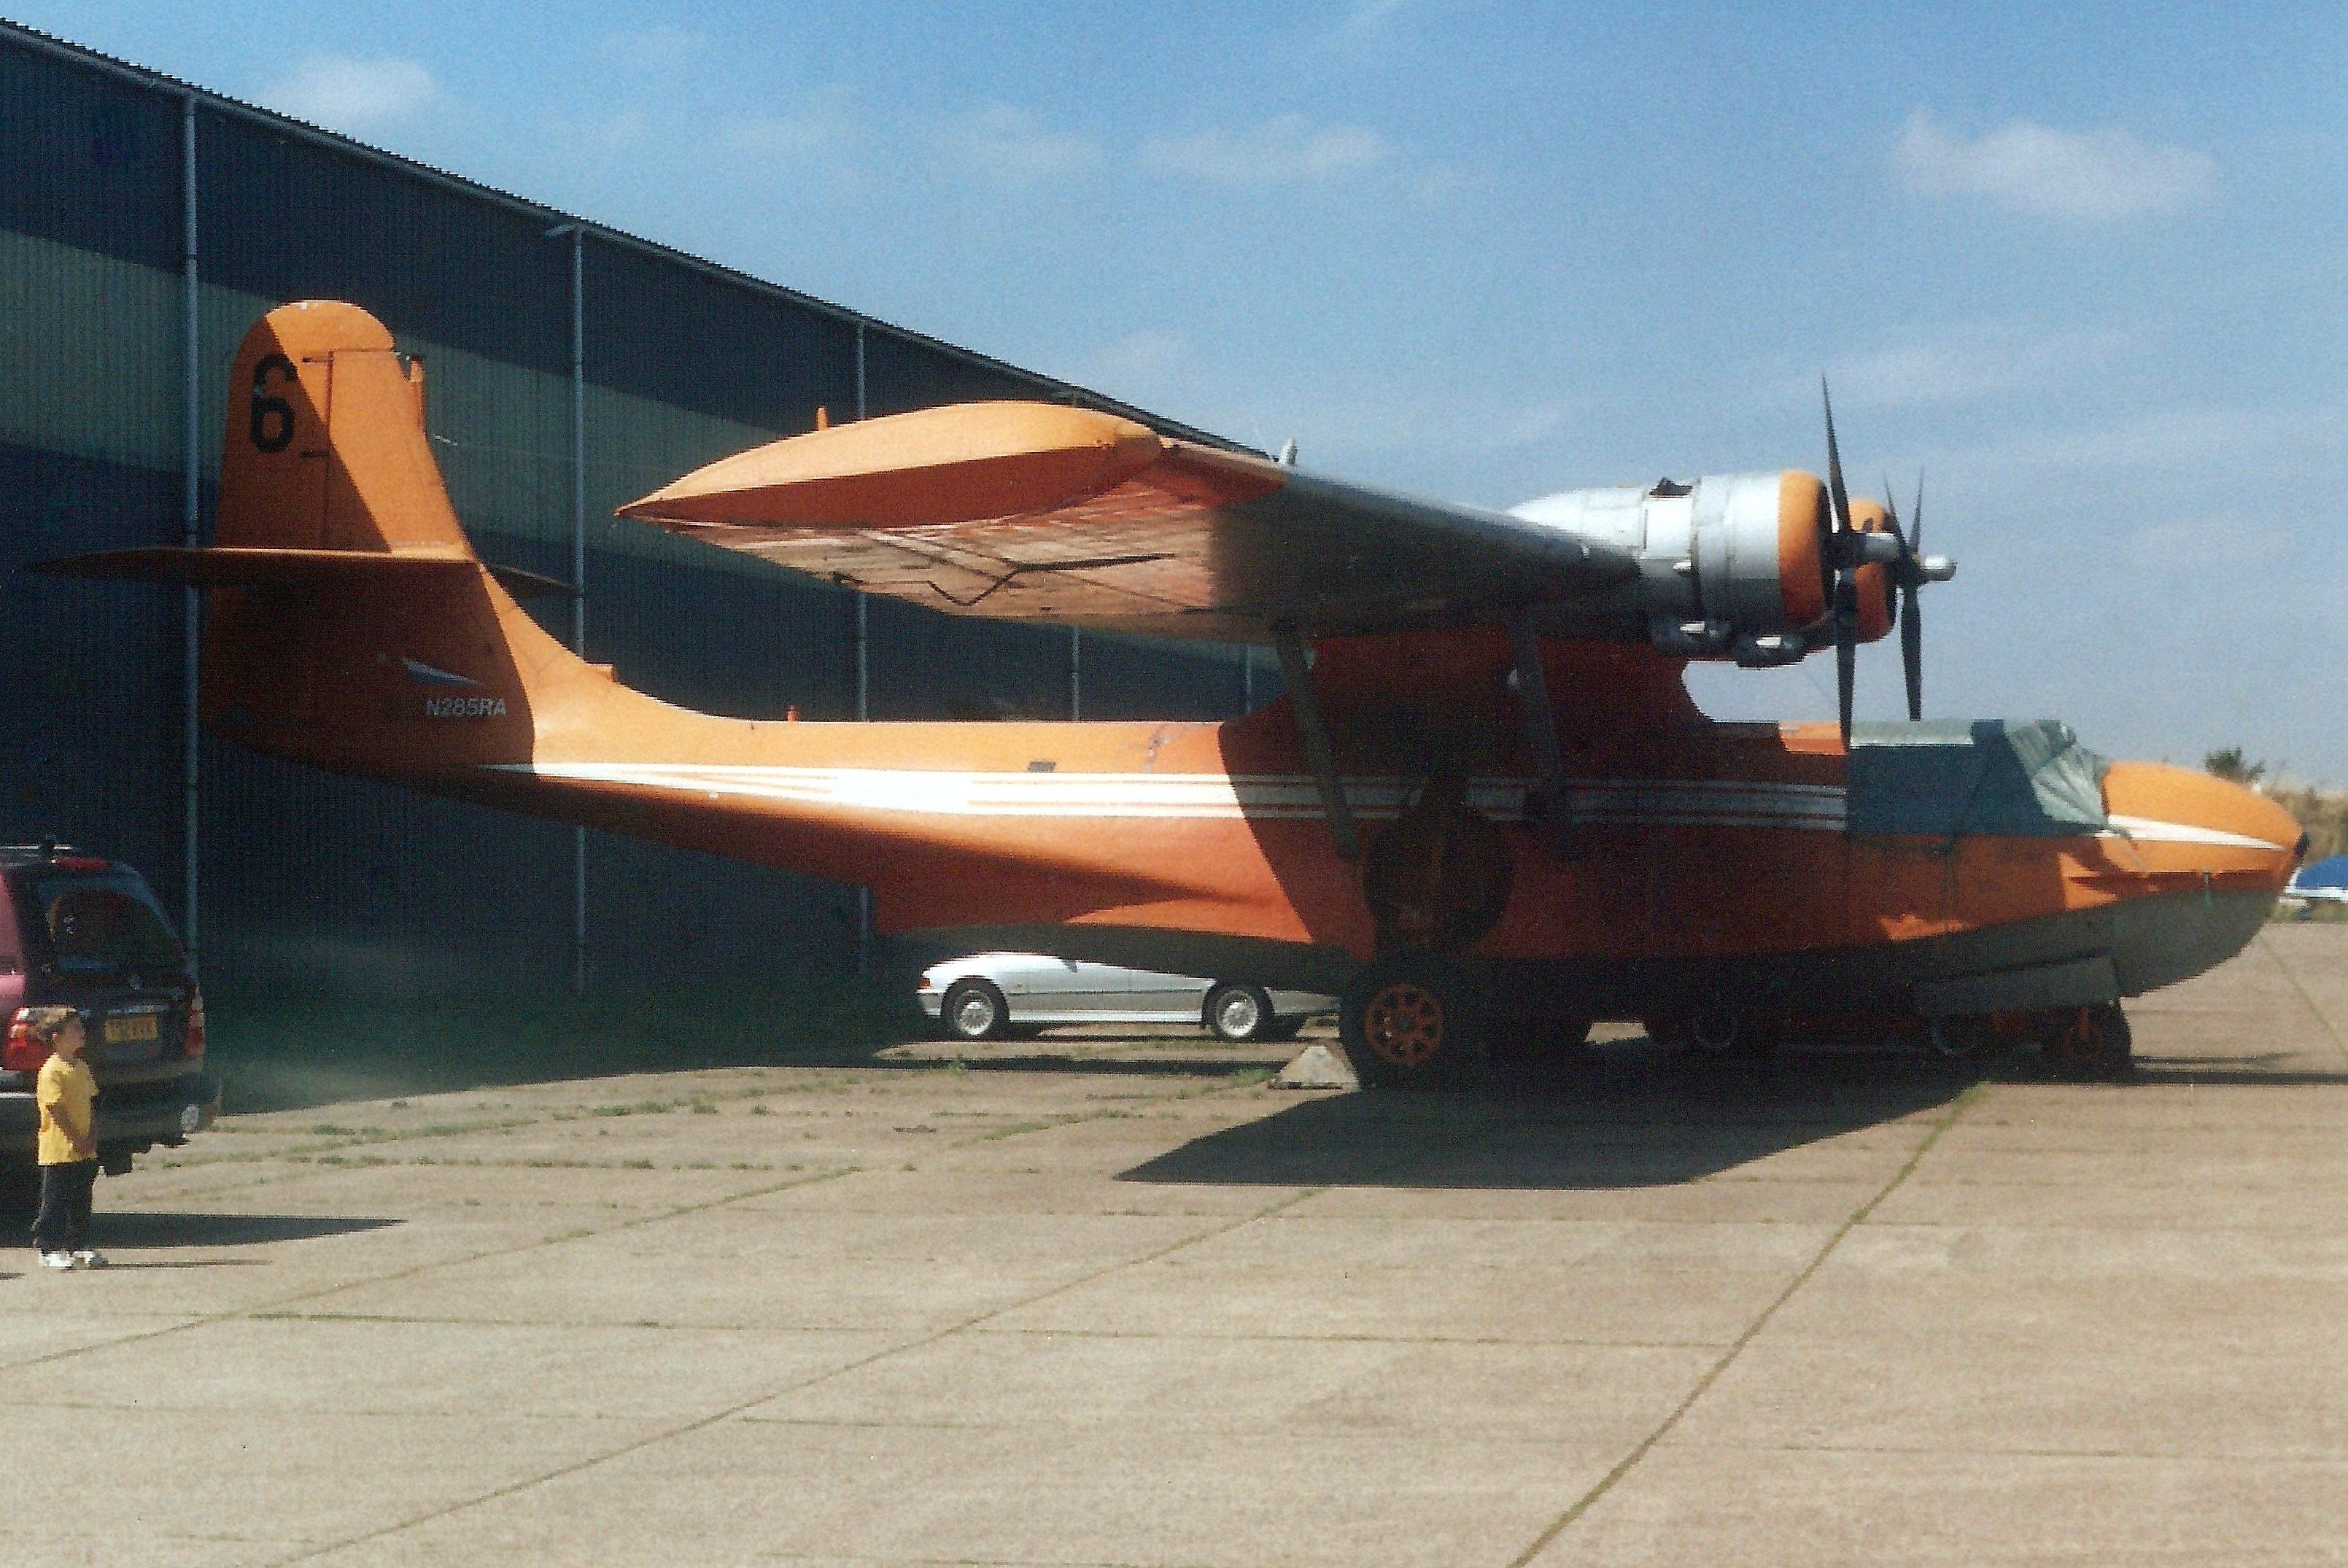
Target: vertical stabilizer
column 326, row 446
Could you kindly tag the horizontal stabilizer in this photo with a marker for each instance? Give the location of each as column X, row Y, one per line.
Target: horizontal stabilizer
column 250, row 567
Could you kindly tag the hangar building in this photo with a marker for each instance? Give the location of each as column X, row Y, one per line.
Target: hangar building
column 144, row 224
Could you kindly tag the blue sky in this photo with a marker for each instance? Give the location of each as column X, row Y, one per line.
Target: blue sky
column 2083, row 265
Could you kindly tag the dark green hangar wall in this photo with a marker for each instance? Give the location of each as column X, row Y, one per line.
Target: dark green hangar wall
column 314, row 879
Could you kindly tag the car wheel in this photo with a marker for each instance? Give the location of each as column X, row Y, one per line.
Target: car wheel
column 974, row 1010
column 1238, row 1013
column 1409, row 1022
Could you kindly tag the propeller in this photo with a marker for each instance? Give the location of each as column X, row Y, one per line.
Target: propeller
column 1906, row 570
column 1910, row 572
column 1842, row 555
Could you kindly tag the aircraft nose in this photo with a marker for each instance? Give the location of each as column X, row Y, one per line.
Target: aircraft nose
column 2182, row 820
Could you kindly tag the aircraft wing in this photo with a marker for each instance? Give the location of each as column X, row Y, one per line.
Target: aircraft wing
column 1039, row 512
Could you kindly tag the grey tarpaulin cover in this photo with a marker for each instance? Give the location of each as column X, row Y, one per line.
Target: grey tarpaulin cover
column 2023, row 778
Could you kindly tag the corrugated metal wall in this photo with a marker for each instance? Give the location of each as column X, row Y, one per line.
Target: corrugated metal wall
column 345, row 883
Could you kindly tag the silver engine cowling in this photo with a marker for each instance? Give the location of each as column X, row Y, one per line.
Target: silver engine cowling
column 1732, row 565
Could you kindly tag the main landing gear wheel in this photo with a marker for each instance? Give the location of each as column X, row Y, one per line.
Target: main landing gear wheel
column 1712, row 1031
column 2091, row 1045
column 974, row 1010
column 1240, row 1013
column 1408, row 1022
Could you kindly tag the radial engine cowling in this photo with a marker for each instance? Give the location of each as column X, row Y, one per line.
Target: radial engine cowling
column 1730, row 566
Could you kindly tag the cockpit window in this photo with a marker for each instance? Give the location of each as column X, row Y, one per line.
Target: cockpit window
column 2007, row 777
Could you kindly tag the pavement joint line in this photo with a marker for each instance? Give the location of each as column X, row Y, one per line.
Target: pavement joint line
column 630, row 1223
column 1703, row 1385
column 1935, row 1451
column 703, row 1423
column 2339, row 1046
column 458, row 1262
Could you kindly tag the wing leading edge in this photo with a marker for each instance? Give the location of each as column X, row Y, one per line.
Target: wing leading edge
column 1039, row 512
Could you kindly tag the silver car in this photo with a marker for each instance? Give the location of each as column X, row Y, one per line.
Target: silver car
column 989, row 994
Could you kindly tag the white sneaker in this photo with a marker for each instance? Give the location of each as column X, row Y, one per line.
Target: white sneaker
column 57, row 1260
column 85, row 1258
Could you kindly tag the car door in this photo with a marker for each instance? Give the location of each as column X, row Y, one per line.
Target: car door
column 1158, row 997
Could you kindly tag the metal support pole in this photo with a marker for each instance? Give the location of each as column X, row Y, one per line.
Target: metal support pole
column 1076, row 674
column 579, row 572
column 863, row 695
column 1317, row 751
column 1540, row 727
column 190, row 530
column 1247, row 678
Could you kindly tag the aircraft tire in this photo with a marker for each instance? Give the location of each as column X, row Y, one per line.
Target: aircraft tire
column 1409, row 1022
column 2093, row 1045
column 974, row 1010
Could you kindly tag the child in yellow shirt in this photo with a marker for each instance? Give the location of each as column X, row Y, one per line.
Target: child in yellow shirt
column 68, row 1143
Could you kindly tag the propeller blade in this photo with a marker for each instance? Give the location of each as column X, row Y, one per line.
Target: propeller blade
column 1916, row 517
column 1911, row 651
column 1846, row 646
column 1835, row 490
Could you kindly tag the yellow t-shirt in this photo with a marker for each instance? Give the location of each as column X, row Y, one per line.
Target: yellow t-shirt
column 65, row 1091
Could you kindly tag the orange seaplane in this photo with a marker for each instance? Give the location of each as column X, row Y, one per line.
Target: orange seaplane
column 1486, row 811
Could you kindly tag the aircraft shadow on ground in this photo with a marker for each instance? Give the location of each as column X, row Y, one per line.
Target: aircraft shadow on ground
column 1628, row 1119
column 1634, row 1116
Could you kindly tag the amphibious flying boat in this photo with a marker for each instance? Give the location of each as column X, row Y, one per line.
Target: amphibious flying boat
column 1486, row 810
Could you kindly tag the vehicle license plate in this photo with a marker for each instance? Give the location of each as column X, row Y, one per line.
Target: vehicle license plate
column 126, row 1028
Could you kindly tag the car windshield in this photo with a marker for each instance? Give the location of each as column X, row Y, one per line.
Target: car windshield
column 99, row 925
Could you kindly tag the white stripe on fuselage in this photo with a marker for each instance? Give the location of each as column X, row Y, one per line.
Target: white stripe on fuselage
column 1651, row 803
column 944, row 793
column 2153, row 832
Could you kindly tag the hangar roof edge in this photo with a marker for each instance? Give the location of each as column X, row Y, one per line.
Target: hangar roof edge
column 17, row 32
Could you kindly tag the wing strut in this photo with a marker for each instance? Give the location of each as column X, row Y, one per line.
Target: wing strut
column 1541, row 728
column 1299, row 678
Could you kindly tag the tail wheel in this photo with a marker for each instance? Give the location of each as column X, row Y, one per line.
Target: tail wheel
column 974, row 1010
column 1408, row 1022
column 2091, row 1045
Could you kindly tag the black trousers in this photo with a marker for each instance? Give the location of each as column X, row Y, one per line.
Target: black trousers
column 63, row 1222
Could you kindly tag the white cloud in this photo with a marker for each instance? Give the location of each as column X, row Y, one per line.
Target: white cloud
column 819, row 129
column 353, row 94
column 1145, row 356
column 2222, row 542
column 1006, row 145
column 1958, row 363
column 2082, row 176
column 656, row 48
column 1283, row 149
column 624, row 128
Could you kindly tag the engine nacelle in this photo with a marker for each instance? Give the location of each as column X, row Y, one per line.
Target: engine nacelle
column 1730, row 566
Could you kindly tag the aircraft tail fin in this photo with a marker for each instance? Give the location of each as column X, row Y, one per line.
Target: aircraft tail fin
column 350, row 603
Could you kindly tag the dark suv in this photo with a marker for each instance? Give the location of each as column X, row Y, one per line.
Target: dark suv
column 82, row 932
